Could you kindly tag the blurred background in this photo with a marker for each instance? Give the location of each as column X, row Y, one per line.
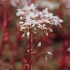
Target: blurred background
column 12, row 45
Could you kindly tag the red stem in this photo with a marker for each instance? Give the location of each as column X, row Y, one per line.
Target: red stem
column 30, row 46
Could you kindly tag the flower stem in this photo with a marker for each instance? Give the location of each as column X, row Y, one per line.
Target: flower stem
column 29, row 48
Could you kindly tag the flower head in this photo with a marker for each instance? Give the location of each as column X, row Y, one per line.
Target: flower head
column 32, row 18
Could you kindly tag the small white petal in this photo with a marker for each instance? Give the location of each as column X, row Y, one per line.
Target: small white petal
column 20, row 22
column 45, row 10
column 60, row 21
column 39, row 44
column 50, row 30
column 28, row 34
column 21, row 18
column 22, row 28
column 27, row 50
column 17, row 14
column 23, row 35
column 18, row 9
column 49, row 53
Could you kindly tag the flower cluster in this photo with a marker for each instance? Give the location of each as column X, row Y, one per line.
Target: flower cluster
column 31, row 18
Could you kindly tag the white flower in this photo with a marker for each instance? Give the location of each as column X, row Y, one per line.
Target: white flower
column 19, row 13
column 45, row 10
column 22, row 28
column 32, row 7
column 27, row 50
column 21, row 18
column 50, row 30
column 28, row 20
column 49, row 53
column 32, row 18
column 39, row 44
column 20, row 22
